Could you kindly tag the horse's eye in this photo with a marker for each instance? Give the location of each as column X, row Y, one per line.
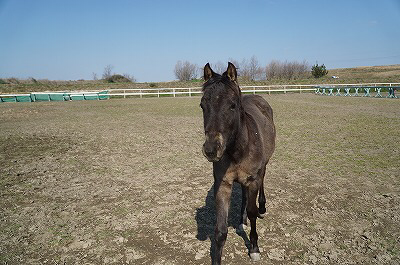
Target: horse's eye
column 233, row 106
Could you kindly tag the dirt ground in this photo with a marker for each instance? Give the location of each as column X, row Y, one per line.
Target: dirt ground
column 123, row 181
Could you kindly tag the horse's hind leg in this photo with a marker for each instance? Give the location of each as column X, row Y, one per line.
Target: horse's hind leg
column 252, row 213
column 261, row 196
column 243, row 212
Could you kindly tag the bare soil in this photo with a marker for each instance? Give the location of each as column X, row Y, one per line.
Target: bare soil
column 124, row 182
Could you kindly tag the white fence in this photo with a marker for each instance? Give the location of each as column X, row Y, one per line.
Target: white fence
column 193, row 91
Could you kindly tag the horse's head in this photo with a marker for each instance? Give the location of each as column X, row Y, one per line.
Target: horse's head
column 221, row 104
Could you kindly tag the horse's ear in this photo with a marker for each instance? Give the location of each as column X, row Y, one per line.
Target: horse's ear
column 208, row 72
column 231, row 72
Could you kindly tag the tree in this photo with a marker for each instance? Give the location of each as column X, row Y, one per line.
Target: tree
column 319, row 70
column 273, row 69
column 250, row 70
column 219, row 67
column 286, row 70
column 185, row 71
column 130, row 77
column 107, row 73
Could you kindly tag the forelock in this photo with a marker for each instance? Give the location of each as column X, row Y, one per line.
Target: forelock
column 221, row 80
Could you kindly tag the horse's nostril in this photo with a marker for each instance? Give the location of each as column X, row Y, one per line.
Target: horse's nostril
column 210, row 153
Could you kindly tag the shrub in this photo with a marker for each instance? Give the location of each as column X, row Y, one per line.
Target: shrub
column 13, row 80
column 319, row 70
column 116, row 78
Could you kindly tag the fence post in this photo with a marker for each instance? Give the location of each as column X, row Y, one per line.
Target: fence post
column 190, row 92
column 173, row 92
column 124, row 93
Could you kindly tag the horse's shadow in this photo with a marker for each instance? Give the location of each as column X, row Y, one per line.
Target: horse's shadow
column 206, row 217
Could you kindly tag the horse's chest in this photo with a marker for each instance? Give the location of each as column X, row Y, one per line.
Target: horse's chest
column 244, row 173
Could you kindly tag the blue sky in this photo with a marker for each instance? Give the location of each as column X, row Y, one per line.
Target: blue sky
column 69, row 40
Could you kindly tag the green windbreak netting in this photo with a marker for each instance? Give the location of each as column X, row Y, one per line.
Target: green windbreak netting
column 8, row 99
column 77, row 97
column 104, row 94
column 24, row 98
column 91, row 96
column 41, row 97
column 58, row 96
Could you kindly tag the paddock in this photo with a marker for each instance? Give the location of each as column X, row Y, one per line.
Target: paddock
column 123, row 181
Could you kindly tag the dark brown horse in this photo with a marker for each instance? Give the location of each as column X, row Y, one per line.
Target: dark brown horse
column 240, row 139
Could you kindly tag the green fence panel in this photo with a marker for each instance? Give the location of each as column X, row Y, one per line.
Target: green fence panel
column 77, row 97
column 104, row 94
column 91, row 96
column 57, row 97
column 23, row 98
column 67, row 97
column 8, row 99
column 42, row 97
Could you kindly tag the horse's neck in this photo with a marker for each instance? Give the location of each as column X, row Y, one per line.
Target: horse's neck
column 241, row 143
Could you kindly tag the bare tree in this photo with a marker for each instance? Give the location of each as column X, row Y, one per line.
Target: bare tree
column 272, row 69
column 219, row 67
column 287, row 70
column 107, row 73
column 250, row 70
column 129, row 77
column 256, row 71
column 185, row 71
column 94, row 76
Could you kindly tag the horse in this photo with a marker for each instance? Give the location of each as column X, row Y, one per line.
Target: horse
column 239, row 141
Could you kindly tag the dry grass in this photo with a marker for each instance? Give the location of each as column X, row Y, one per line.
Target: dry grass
column 124, row 182
column 370, row 74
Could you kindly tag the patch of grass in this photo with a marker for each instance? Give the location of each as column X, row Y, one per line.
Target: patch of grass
column 96, row 170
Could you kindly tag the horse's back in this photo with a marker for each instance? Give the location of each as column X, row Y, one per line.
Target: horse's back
column 254, row 103
column 260, row 110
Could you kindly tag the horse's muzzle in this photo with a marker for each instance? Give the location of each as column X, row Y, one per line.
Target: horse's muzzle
column 213, row 148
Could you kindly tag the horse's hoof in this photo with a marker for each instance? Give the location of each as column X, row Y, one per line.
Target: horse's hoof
column 242, row 227
column 255, row 256
column 261, row 215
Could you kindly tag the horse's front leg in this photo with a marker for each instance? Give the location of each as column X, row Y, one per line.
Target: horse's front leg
column 222, row 200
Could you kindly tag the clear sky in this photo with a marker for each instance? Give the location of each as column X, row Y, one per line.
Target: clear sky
column 71, row 39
